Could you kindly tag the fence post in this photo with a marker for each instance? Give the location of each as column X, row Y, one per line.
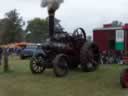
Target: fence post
column 6, row 66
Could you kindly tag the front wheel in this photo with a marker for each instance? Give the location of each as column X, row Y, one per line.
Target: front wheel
column 37, row 65
column 60, row 65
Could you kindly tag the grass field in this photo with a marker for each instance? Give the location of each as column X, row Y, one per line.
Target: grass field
column 20, row 82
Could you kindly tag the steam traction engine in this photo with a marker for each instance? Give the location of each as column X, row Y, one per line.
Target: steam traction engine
column 62, row 52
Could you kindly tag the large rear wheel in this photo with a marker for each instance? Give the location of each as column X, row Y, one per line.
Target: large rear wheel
column 60, row 65
column 37, row 65
column 89, row 57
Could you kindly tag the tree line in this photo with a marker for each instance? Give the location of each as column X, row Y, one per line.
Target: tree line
column 12, row 28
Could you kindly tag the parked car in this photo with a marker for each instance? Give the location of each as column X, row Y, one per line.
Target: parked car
column 29, row 51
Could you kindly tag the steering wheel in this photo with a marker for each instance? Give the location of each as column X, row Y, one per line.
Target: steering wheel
column 79, row 33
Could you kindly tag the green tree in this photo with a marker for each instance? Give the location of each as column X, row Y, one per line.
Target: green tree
column 37, row 30
column 11, row 28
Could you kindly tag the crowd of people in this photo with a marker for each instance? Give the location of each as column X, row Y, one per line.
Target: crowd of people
column 9, row 51
column 112, row 57
column 13, row 50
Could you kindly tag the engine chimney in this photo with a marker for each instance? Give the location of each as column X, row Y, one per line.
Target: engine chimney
column 52, row 5
column 51, row 22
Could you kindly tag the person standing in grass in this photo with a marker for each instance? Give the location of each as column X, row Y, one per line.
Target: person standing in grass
column 1, row 51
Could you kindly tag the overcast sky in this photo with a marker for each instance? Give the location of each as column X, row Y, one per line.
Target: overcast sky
column 88, row 14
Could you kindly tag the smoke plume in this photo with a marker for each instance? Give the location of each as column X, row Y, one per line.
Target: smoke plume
column 51, row 4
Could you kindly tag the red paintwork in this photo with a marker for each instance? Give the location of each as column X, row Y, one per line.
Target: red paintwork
column 107, row 25
column 125, row 27
column 126, row 35
column 125, row 79
column 102, row 37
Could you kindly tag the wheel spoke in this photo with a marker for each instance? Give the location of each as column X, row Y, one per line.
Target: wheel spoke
column 38, row 68
column 34, row 62
column 35, row 68
column 34, row 65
